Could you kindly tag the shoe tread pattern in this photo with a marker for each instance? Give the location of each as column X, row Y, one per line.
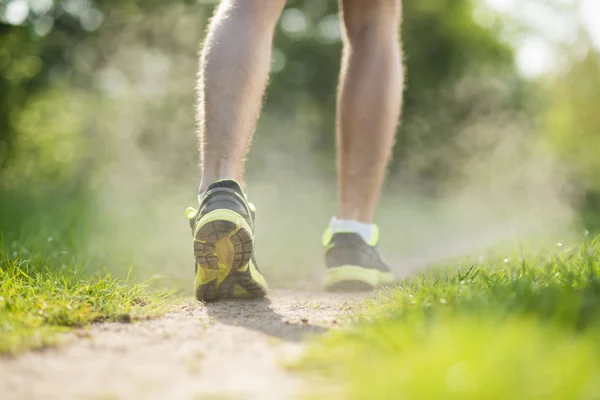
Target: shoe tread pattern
column 227, row 197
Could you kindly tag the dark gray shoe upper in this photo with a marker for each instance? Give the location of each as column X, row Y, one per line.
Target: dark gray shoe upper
column 348, row 248
column 227, row 195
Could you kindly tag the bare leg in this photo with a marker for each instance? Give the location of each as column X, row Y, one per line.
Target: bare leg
column 369, row 101
column 234, row 70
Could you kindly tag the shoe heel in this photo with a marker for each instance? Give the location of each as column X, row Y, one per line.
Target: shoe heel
column 223, row 244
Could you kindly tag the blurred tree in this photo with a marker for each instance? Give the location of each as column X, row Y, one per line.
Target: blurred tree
column 37, row 41
column 443, row 45
column 19, row 68
column 43, row 45
column 572, row 122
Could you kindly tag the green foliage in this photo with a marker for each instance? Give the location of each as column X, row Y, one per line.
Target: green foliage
column 571, row 121
column 18, row 68
column 40, row 54
column 55, row 155
column 442, row 45
column 520, row 331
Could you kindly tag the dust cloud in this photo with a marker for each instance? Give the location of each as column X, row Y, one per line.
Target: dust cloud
column 498, row 186
column 511, row 193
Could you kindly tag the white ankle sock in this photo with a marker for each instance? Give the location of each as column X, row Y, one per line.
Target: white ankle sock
column 366, row 231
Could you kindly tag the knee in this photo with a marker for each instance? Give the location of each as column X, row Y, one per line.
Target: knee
column 364, row 19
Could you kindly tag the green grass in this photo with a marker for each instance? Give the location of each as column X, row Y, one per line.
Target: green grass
column 523, row 330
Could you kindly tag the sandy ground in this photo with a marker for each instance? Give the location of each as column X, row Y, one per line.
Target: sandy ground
column 225, row 350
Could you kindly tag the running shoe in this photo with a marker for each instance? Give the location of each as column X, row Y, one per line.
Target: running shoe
column 223, row 231
column 353, row 264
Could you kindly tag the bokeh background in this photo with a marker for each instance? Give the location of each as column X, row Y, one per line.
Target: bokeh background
column 499, row 143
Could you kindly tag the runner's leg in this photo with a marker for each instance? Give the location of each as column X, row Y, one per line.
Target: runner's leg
column 234, row 69
column 369, row 101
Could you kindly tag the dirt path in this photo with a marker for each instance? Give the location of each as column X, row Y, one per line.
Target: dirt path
column 225, row 350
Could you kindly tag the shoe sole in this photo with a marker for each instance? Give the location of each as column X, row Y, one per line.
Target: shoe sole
column 352, row 278
column 223, row 247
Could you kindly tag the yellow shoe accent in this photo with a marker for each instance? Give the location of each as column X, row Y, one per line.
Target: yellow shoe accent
column 257, row 276
column 224, row 252
column 374, row 237
column 327, row 235
column 190, row 213
column 223, row 215
column 353, row 273
column 239, row 291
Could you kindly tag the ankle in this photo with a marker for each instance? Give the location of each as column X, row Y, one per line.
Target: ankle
column 368, row 232
column 229, row 184
column 206, row 183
